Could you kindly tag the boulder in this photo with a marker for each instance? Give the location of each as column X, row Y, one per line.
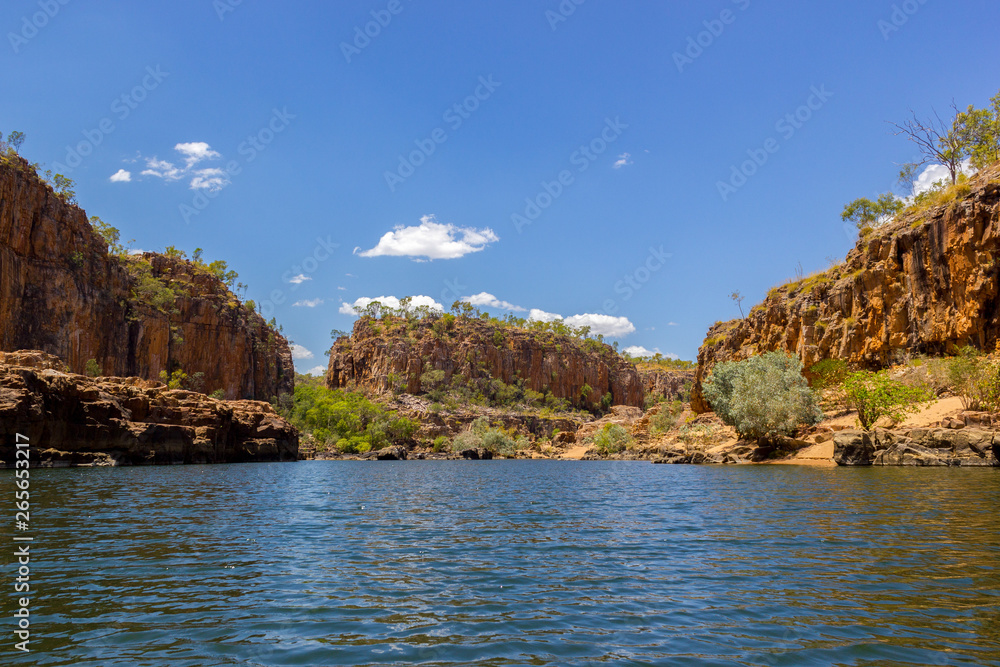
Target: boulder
column 394, row 453
column 853, row 448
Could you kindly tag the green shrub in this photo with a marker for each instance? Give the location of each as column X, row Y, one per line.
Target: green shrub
column 665, row 420
column 876, row 395
column 439, row 443
column 829, row 373
column 763, row 397
column 219, row 394
column 611, row 439
column 346, row 420
column 93, row 369
column 975, row 379
column 495, row 440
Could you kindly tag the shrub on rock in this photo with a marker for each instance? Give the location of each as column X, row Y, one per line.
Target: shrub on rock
column 763, row 397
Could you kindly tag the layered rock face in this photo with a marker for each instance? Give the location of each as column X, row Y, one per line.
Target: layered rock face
column 667, row 385
column 927, row 283
column 72, row 420
column 62, row 292
column 381, row 353
column 918, row 447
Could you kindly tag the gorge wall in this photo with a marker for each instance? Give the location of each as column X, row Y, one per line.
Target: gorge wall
column 63, row 293
column 925, row 283
column 395, row 350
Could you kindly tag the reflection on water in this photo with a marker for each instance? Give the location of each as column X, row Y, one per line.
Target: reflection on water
column 520, row 562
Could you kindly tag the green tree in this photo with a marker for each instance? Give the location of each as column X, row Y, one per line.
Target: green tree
column 63, row 186
column 763, row 397
column 875, row 395
column 867, row 213
column 110, row 235
column 93, row 369
column 15, row 139
column 979, row 131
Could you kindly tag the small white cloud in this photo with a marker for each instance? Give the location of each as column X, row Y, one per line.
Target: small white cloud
column 136, row 251
column 432, row 240
column 605, row 325
column 937, row 172
column 672, row 324
column 639, row 351
column 624, row 160
column 299, row 352
column 485, row 299
column 195, row 152
column 537, row 315
column 162, row 169
column 299, row 279
column 318, row 371
column 308, row 303
column 212, row 180
column 390, row 302
column 342, row 289
column 121, row 176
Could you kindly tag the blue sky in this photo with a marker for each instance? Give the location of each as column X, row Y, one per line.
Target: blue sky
column 271, row 135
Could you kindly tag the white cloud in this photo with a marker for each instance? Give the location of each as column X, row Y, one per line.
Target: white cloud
column 308, row 303
column 342, row 289
column 624, row 160
column 937, row 172
column 299, row 352
column 606, row 325
column 162, row 169
column 672, row 324
column 390, row 302
column 121, row 176
column 639, row 351
column 488, row 300
column 537, row 315
column 318, row 370
column 432, row 240
column 299, row 279
column 196, row 151
column 208, row 178
column 212, row 180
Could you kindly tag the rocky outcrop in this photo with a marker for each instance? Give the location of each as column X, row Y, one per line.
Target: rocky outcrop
column 926, row 283
column 967, row 447
column 662, row 385
column 61, row 291
column 72, row 420
column 393, row 353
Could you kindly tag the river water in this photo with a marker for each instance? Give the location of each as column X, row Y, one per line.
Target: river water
column 509, row 563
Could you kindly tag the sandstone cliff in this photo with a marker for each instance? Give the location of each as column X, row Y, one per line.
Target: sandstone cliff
column 62, row 292
column 74, row 420
column 926, row 283
column 381, row 353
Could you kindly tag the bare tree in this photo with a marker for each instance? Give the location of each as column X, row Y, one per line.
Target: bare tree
column 738, row 299
column 935, row 141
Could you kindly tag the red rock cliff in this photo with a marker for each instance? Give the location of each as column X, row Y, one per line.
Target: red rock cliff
column 62, row 292
column 926, row 283
column 380, row 351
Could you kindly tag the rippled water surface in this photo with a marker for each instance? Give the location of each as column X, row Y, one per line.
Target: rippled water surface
column 510, row 563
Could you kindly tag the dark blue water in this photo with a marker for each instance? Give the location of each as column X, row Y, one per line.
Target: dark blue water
column 510, row 563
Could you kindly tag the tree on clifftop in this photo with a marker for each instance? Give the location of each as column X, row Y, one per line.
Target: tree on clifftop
column 867, row 213
column 936, row 143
